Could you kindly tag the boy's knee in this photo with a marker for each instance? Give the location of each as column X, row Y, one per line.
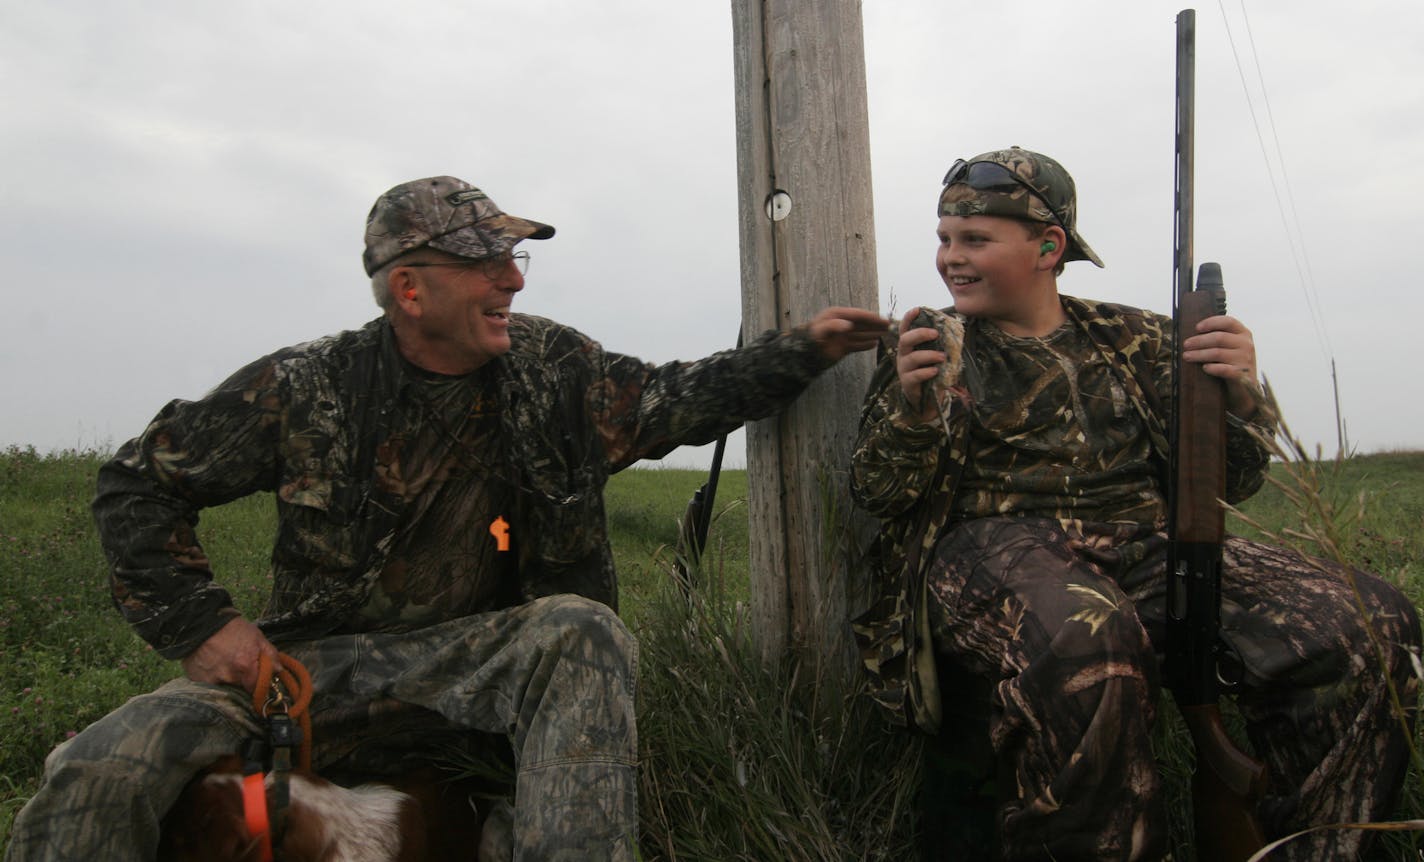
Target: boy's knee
column 1098, row 628
column 1397, row 606
column 1389, row 616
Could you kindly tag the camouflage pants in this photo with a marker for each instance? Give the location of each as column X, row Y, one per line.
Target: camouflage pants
column 1063, row 620
column 555, row 676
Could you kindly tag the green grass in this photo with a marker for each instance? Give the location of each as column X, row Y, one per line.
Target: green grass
column 644, row 510
column 737, row 763
column 1371, row 508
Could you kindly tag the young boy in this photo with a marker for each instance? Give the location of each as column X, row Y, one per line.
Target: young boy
column 1018, row 474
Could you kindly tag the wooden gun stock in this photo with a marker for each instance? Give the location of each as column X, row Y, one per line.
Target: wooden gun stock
column 1226, row 786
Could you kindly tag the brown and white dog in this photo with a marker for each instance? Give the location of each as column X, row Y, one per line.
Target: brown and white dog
column 415, row 819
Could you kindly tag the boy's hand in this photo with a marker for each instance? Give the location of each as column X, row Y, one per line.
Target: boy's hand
column 924, row 354
column 1225, row 349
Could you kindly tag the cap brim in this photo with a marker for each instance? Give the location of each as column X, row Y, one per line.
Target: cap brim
column 538, row 230
column 491, row 236
column 1079, row 250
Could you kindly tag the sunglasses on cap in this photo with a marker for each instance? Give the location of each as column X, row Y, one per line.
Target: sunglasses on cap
column 994, row 177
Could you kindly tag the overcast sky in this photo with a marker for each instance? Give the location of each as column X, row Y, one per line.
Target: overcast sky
column 183, row 185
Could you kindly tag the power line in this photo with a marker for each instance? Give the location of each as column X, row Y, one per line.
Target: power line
column 1294, row 235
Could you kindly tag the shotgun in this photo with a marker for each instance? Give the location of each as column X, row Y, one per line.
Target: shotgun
column 1226, row 783
column 697, row 518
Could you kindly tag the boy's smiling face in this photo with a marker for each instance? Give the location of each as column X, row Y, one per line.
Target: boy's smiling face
column 995, row 270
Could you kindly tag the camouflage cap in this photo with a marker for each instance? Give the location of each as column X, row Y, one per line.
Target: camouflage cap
column 444, row 213
column 1038, row 190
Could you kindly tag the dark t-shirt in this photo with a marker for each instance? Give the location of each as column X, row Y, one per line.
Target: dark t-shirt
column 446, row 562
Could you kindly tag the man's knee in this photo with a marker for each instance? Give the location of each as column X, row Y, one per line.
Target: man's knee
column 107, row 787
column 180, row 726
column 585, row 626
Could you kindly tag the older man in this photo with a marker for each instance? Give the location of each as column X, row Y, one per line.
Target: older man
column 440, row 539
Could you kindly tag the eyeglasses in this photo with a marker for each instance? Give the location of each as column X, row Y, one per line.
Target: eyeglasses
column 990, row 177
column 489, row 267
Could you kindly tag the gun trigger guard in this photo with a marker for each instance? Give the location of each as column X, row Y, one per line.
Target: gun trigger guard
column 1230, row 669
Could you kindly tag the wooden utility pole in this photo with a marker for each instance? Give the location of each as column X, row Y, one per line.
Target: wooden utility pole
column 808, row 242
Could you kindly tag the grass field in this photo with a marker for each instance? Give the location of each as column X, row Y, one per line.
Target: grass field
column 736, row 764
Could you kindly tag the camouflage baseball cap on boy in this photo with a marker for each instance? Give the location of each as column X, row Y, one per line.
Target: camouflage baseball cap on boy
column 444, row 213
column 1019, row 184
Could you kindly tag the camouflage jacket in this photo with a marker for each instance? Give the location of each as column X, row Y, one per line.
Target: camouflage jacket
column 906, row 473
column 320, row 424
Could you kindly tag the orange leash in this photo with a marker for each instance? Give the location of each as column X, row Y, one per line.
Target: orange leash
column 286, row 687
column 283, row 693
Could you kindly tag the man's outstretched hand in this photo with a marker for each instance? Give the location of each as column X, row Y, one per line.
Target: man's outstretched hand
column 839, row 330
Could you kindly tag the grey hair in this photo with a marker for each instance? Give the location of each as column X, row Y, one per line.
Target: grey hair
column 381, row 286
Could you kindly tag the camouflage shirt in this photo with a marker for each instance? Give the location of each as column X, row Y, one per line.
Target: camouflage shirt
column 1072, row 425
column 1053, row 433
column 340, row 430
